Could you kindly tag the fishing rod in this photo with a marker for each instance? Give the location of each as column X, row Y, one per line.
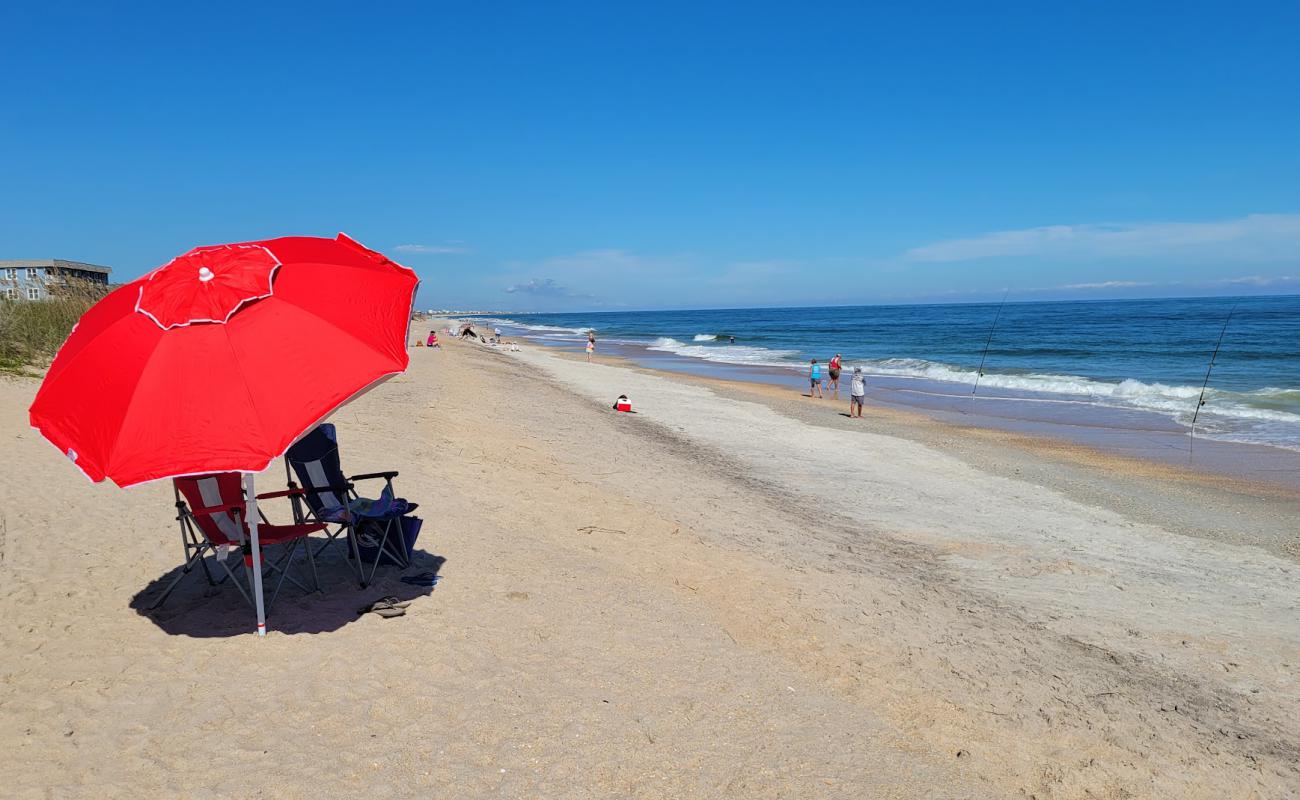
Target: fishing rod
column 980, row 373
column 1200, row 401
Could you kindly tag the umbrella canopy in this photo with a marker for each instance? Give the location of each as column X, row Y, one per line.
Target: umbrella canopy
column 218, row 360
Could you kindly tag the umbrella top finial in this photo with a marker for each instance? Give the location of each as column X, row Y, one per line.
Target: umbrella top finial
column 229, row 277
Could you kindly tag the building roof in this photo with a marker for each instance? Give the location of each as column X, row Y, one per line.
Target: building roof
column 54, row 263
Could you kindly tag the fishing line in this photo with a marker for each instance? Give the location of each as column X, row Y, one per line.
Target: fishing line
column 1200, row 401
column 980, row 372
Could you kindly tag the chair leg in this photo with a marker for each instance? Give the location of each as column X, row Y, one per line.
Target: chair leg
column 283, row 565
column 192, row 542
column 379, row 554
column 330, row 538
column 185, row 570
column 384, row 549
column 311, row 561
column 356, row 556
column 207, row 573
column 234, row 579
column 393, row 544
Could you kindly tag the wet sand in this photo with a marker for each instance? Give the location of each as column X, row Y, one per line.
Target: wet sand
column 733, row 593
column 1141, row 436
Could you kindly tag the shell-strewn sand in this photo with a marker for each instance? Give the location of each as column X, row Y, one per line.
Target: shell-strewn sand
column 713, row 597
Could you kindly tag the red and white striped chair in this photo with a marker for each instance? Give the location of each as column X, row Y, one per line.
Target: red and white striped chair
column 211, row 508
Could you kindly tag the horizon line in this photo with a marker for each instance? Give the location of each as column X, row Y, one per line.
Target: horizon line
column 992, row 299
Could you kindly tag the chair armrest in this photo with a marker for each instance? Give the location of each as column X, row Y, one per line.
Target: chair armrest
column 285, row 493
column 224, row 507
column 371, row 475
column 337, row 488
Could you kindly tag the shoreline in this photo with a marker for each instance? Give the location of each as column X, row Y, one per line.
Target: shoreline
column 1151, row 443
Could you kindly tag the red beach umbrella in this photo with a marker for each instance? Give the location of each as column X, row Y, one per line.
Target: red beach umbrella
column 218, row 360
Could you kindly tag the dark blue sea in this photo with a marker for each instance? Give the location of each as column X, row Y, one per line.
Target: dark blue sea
column 1150, row 355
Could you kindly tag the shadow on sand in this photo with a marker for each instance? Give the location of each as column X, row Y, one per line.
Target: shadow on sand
column 199, row 609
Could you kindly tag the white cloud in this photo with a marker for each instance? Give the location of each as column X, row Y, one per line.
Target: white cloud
column 1117, row 288
column 1108, row 285
column 437, row 249
column 1257, row 237
column 543, row 287
column 1259, row 280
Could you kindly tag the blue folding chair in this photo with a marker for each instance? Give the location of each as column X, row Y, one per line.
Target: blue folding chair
column 330, row 498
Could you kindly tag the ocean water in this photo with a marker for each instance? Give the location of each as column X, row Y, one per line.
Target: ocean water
column 1149, row 355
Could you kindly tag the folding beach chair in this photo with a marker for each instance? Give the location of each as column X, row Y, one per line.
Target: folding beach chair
column 210, row 511
column 329, row 498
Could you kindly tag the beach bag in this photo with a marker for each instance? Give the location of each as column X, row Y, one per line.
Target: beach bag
column 410, row 532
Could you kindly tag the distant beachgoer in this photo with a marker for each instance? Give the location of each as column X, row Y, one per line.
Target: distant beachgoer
column 433, row 340
column 733, row 340
column 834, row 369
column 815, row 380
column 857, row 392
column 591, row 347
column 497, row 331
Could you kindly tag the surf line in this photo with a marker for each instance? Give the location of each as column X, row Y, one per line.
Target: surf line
column 1200, row 401
column 979, row 373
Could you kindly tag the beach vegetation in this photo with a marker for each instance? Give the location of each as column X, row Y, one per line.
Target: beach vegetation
column 31, row 331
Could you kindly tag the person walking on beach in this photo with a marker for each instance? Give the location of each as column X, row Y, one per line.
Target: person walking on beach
column 857, row 392
column 591, row 346
column 835, row 375
column 815, row 379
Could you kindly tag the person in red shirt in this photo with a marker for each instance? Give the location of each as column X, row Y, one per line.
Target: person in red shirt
column 834, row 367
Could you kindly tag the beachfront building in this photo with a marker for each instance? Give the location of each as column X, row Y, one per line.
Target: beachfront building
column 34, row 279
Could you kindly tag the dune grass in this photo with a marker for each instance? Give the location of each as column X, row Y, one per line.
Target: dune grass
column 31, row 332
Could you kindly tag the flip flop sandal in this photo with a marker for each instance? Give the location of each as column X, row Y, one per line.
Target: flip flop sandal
column 389, row 612
column 395, row 602
column 381, row 606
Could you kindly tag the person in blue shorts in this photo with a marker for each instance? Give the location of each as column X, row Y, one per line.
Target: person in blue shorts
column 815, row 379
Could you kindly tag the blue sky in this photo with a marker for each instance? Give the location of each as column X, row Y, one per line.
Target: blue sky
column 625, row 155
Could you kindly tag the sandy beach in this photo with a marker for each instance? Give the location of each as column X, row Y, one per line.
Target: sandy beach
column 734, row 592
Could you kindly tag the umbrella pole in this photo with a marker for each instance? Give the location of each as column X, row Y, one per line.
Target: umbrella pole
column 250, row 499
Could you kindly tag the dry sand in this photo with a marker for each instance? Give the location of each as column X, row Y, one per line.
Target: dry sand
column 727, row 594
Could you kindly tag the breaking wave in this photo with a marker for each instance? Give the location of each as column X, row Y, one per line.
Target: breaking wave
column 732, row 354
